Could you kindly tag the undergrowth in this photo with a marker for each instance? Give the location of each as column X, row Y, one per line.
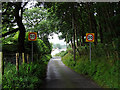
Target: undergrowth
column 103, row 70
column 30, row 75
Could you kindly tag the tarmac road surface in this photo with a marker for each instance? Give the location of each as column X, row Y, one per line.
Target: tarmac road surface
column 60, row 76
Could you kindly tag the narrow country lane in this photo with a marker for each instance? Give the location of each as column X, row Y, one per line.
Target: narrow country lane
column 60, row 76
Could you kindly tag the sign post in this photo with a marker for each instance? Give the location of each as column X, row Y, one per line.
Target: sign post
column 90, row 38
column 32, row 36
column 32, row 51
column 90, row 51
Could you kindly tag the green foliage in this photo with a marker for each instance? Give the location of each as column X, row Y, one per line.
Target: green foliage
column 10, row 45
column 102, row 70
column 74, row 19
column 34, row 16
column 30, row 75
column 62, row 53
column 7, row 17
column 46, row 58
column 39, row 20
column 68, row 60
column 47, row 43
column 40, row 47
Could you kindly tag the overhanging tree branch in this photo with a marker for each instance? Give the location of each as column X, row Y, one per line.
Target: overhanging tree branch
column 10, row 32
column 25, row 4
column 5, row 20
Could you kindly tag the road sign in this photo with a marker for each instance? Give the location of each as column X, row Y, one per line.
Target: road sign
column 32, row 36
column 90, row 37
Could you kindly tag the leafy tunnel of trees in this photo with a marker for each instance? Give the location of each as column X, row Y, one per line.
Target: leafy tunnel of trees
column 73, row 20
column 77, row 19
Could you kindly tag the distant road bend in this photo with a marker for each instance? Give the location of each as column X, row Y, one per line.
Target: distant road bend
column 60, row 76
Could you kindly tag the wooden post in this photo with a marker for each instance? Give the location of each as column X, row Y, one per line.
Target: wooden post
column 1, row 68
column 17, row 62
column 23, row 58
column 27, row 58
column 2, row 64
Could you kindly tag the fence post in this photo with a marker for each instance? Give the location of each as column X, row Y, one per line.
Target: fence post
column 2, row 63
column 17, row 62
column 23, row 58
column 1, row 70
column 27, row 58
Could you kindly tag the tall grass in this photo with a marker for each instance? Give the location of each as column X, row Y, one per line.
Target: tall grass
column 30, row 75
column 103, row 70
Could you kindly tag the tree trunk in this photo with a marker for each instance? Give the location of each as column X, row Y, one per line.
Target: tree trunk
column 79, row 41
column 95, row 28
column 101, row 33
column 76, row 36
column 21, row 37
column 71, row 43
column 73, row 27
column 83, row 29
column 107, row 26
column 99, row 14
column 92, row 21
column 110, row 24
column 74, row 46
column 66, row 40
column 78, row 50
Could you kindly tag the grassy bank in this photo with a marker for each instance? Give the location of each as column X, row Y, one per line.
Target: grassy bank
column 30, row 75
column 103, row 70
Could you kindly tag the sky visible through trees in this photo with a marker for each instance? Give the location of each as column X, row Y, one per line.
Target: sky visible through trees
column 70, row 21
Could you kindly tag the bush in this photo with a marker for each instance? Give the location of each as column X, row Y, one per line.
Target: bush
column 39, row 46
column 46, row 58
column 101, row 69
column 30, row 76
column 62, row 53
column 68, row 60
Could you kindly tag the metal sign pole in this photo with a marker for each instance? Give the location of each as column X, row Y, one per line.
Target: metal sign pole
column 32, row 51
column 32, row 36
column 90, row 52
column 90, row 38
